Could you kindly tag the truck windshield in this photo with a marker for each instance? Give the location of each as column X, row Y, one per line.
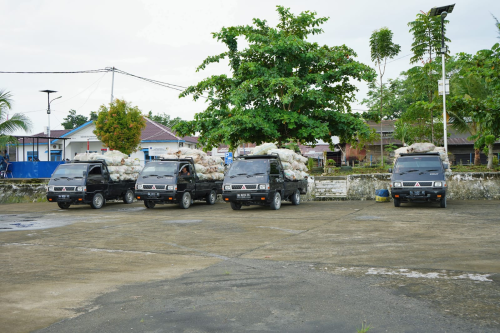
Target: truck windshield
column 160, row 169
column 70, row 171
column 248, row 167
column 417, row 163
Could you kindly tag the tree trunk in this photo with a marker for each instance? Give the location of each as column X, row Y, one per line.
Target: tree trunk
column 477, row 157
column 490, row 156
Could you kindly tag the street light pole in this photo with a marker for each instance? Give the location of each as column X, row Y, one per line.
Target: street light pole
column 48, row 114
column 443, row 12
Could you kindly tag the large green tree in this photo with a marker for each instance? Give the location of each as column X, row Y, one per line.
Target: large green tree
column 281, row 87
column 119, row 126
column 396, row 99
column 73, row 120
column 163, row 119
column 10, row 124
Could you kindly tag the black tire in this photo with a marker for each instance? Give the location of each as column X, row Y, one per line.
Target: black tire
column 128, row 198
column 276, row 202
column 185, row 201
column 63, row 205
column 442, row 203
column 295, row 199
column 149, row 204
column 211, row 197
column 235, row 205
column 97, row 201
column 397, row 202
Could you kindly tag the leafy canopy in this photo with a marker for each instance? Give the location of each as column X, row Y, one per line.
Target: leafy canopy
column 163, row 119
column 426, row 31
column 120, row 126
column 282, row 87
column 10, row 124
column 73, row 120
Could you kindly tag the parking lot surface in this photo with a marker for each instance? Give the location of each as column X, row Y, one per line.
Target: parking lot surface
column 320, row 266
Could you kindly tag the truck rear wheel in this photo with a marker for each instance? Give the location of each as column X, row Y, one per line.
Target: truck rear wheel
column 97, row 201
column 276, row 203
column 235, row 205
column 185, row 201
column 211, row 197
column 295, row 198
column 128, row 198
column 63, row 205
column 149, row 204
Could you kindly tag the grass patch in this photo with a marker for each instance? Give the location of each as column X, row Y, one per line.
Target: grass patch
column 378, row 169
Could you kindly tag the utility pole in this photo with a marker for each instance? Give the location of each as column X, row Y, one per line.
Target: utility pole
column 112, row 69
column 48, row 113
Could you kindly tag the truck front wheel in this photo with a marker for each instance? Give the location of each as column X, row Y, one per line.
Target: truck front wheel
column 442, row 203
column 276, row 203
column 296, row 198
column 186, row 200
column 149, row 204
column 63, row 205
column 397, row 202
column 128, row 198
column 235, row 205
column 97, row 201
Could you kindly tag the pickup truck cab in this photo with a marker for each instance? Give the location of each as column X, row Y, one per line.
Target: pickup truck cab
column 260, row 180
column 87, row 182
column 419, row 177
column 164, row 182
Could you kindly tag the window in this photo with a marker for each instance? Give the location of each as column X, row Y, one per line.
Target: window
column 32, row 156
column 274, row 168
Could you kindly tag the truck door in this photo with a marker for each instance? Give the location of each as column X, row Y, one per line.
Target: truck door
column 275, row 177
column 96, row 181
column 186, row 180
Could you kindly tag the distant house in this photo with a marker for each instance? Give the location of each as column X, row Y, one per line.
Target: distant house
column 82, row 139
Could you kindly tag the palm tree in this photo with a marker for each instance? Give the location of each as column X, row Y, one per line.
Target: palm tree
column 16, row 122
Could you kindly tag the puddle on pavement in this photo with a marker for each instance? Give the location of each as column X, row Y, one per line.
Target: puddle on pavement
column 183, row 221
column 367, row 217
column 29, row 222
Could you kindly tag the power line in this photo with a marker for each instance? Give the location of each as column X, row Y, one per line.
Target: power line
column 400, row 58
column 74, row 72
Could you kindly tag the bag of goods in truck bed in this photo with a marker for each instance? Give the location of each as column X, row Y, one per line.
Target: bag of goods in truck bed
column 424, row 147
column 294, row 165
column 120, row 166
column 206, row 167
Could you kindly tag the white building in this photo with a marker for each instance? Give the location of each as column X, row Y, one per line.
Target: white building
column 82, row 139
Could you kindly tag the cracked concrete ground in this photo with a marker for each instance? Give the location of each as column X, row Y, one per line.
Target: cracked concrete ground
column 64, row 266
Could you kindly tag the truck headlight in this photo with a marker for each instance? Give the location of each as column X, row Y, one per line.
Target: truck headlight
column 50, row 188
column 81, row 188
column 227, row 187
column 438, row 184
column 263, row 186
column 139, row 186
column 397, row 184
column 171, row 187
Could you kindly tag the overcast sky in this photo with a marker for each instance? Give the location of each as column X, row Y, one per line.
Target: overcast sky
column 167, row 40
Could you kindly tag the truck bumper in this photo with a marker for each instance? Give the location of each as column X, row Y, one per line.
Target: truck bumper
column 74, row 197
column 246, row 197
column 162, row 197
column 418, row 194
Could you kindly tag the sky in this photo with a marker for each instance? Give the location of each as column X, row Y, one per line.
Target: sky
column 167, row 40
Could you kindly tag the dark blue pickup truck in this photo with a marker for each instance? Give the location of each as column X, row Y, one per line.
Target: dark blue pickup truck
column 419, row 177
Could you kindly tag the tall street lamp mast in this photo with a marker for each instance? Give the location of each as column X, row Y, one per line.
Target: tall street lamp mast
column 48, row 113
column 443, row 12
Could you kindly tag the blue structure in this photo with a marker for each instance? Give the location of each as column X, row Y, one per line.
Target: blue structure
column 33, row 169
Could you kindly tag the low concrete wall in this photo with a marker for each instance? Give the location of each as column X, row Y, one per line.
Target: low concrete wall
column 462, row 186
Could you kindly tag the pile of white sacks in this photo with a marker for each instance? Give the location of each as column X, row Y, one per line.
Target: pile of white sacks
column 207, row 167
column 120, row 166
column 424, row 147
column 293, row 163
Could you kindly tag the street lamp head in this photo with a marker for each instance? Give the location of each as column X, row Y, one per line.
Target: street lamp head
column 437, row 11
column 48, row 91
column 443, row 15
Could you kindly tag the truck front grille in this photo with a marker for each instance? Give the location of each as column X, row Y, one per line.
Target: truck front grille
column 153, row 187
column 244, row 187
column 413, row 184
column 64, row 188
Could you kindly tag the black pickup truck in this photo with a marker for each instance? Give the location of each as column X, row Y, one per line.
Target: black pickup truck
column 162, row 182
column 260, row 180
column 87, row 182
column 418, row 177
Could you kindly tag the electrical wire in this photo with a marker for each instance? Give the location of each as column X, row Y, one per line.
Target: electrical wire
column 400, row 58
column 74, row 72
column 64, row 100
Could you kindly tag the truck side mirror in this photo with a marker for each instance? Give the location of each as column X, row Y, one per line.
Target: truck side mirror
column 446, row 166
